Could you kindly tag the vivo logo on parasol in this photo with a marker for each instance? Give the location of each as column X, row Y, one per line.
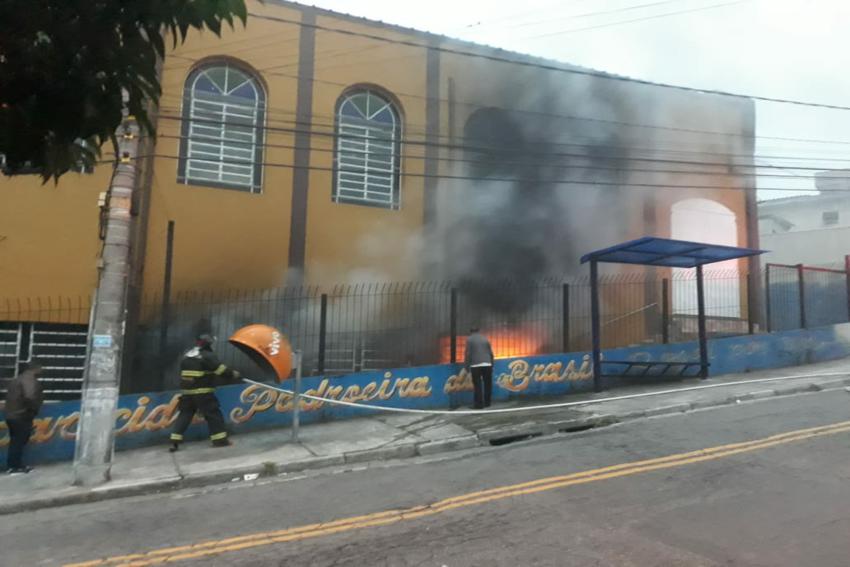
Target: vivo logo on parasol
column 274, row 346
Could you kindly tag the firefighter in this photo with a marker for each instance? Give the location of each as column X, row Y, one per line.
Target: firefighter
column 200, row 372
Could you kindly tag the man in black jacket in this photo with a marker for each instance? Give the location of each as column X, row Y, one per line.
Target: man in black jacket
column 200, row 372
column 23, row 402
column 479, row 362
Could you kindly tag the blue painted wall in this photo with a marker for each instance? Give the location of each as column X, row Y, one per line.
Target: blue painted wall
column 146, row 419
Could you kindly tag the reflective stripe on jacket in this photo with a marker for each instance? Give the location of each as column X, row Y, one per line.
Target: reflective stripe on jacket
column 201, row 371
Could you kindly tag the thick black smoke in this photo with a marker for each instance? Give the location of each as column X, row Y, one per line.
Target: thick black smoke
column 543, row 190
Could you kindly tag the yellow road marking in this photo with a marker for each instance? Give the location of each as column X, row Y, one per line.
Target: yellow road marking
column 216, row 547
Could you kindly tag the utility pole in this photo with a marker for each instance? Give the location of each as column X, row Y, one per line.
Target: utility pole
column 96, row 430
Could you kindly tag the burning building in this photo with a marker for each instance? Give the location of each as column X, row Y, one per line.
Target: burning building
column 316, row 147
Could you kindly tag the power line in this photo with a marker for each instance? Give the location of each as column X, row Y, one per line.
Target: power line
column 422, row 129
column 573, row 182
column 311, row 124
column 425, row 143
column 224, row 43
column 329, row 54
column 540, row 65
column 548, row 165
column 594, row 14
column 643, row 19
column 552, row 115
column 323, row 54
column 630, row 148
column 512, row 16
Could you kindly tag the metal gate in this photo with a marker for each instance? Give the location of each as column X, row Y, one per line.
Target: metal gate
column 355, row 353
column 60, row 348
column 10, row 347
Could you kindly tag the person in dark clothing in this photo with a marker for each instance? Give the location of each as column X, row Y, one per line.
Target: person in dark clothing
column 23, row 402
column 200, row 372
column 479, row 362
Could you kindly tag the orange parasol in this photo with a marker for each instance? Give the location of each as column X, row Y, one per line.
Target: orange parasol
column 266, row 346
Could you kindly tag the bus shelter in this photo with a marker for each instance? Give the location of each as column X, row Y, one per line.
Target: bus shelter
column 663, row 252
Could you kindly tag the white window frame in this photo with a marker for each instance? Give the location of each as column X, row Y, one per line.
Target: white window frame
column 222, row 139
column 368, row 152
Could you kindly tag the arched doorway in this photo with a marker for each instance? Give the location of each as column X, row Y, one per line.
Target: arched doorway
column 703, row 220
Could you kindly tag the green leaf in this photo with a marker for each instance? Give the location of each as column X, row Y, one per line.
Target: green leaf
column 240, row 10
column 89, row 52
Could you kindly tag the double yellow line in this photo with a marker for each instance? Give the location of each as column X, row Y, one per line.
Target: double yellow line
column 216, row 547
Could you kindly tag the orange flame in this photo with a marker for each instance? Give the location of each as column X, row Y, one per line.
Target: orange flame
column 507, row 343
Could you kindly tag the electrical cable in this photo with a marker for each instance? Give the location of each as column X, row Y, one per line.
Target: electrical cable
column 635, row 20
column 502, row 151
column 574, row 182
column 543, row 406
column 550, row 166
column 561, row 68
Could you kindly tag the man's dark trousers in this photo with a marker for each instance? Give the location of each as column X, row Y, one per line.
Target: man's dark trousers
column 19, row 435
column 482, row 382
column 207, row 405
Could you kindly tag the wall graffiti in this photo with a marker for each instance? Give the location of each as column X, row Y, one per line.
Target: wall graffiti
column 145, row 419
column 255, row 400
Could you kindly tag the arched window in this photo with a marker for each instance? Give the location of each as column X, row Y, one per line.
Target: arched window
column 367, row 150
column 222, row 142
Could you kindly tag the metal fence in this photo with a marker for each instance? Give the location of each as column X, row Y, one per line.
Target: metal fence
column 52, row 330
column 804, row 296
column 51, row 309
column 59, row 347
column 350, row 328
column 164, row 331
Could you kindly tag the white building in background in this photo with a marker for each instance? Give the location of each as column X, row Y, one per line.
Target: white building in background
column 809, row 229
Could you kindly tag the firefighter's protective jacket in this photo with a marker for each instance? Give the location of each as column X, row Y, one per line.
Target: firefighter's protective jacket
column 201, row 371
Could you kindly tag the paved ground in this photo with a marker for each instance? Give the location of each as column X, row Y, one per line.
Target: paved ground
column 389, row 436
column 777, row 501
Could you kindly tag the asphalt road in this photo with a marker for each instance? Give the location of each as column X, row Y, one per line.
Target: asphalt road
column 606, row 497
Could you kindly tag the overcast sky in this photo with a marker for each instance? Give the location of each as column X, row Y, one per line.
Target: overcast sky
column 792, row 49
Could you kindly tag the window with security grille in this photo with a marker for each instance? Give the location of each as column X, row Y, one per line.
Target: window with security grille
column 223, row 113
column 367, row 150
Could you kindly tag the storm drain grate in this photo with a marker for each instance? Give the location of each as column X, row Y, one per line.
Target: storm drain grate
column 513, row 439
column 579, row 427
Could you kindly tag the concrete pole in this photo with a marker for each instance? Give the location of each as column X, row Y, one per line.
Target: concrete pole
column 296, row 398
column 595, row 326
column 96, row 431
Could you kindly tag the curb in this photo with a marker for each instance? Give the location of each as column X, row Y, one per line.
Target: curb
column 493, row 436
column 666, row 410
column 446, row 445
column 311, row 463
column 381, row 454
column 94, row 495
column 834, row 384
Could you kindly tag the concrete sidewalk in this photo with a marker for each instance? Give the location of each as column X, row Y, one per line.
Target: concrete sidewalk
column 396, row 436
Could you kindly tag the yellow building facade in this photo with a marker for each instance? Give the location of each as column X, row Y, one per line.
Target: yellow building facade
column 317, row 147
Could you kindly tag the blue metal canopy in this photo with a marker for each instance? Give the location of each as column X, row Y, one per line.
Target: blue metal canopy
column 652, row 251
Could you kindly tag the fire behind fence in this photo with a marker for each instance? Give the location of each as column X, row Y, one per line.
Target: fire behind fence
column 351, row 328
